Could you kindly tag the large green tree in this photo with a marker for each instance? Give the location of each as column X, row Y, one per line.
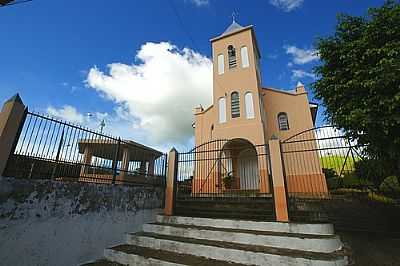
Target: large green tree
column 358, row 79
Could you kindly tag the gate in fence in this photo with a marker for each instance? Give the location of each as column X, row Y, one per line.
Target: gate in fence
column 51, row 149
column 225, row 178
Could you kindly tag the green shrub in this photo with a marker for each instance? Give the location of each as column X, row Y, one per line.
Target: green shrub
column 228, row 180
column 390, row 185
column 373, row 170
column 349, row 180
column 347, row 190
column 333, row 183
column 380, row 198
column 329, row 173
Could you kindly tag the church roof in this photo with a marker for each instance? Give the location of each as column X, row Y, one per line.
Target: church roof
column 232, row 28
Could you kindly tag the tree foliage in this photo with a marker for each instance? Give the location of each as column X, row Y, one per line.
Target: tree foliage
column 359, row 79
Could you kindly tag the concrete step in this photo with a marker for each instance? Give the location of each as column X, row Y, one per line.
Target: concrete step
column 256, row 208
column 314, row 243
column 102, row 262
column 136, row 255
column 234, row 252
column 231, row 214
column 297, row 228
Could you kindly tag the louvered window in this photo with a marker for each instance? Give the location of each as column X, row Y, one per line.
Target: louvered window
column 231, row 56
column 283, row 121
column 235, row 104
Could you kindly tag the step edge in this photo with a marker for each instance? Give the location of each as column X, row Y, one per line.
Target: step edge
column 295, row 243
column 250, row 231
column 328, row 228
column 144, row 240
column 109, row 252
column 280, row 252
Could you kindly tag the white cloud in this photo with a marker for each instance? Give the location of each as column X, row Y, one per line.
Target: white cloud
column 159, row 91
column 301, row 56
column 67, row 113
column 287, row 5
column 298, row 74
column 200, row 3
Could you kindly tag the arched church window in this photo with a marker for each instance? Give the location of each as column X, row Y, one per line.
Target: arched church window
column 245, row 57
column 222, row 110
column 248, row 101
column 283, row 121
column 235, row 104
column 220, row 62
column 231, row 56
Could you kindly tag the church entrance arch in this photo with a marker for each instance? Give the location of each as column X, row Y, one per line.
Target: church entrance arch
column 242, row 164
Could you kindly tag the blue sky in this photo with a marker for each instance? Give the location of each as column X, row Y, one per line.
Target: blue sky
column 55, row 54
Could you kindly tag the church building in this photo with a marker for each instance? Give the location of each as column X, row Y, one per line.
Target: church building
column 247, row 113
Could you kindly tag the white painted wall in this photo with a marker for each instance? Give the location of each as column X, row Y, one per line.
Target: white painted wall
column 55, row 223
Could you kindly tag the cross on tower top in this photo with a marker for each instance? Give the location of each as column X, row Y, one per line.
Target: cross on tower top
column 234, row 16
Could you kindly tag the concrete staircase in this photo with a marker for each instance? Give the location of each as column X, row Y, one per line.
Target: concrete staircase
column 227, row 208
column 178, row 240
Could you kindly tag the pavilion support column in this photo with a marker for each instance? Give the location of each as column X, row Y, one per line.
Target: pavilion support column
column 87, row 160
column 278, row 181
column 124, row 163
column 170, row 190
column 151, row 167
column 142, row 167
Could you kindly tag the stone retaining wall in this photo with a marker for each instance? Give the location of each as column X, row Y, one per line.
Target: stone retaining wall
column 46, row 222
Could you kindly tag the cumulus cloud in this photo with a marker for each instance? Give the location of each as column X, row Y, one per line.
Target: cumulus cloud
column 298, row 74
column 301, row 56
column 159, row 90
column 118, row 123
column 287, row 5
column 67, row 113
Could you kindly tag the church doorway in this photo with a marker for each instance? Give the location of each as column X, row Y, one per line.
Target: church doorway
column 248, row 169
column 242, row 164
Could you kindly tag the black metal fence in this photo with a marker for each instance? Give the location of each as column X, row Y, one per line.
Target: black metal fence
column 224, row 169
column 51, row 149
column 319, row 159
column 324, row 183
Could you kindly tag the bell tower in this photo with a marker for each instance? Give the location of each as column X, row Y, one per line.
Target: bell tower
column 237, row 84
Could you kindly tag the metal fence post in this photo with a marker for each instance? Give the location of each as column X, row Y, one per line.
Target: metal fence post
column 115, row 161
column 53, row 174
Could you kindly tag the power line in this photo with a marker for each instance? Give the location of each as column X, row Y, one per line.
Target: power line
column 174, row 9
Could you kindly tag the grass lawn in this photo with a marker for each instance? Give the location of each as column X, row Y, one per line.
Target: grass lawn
column 336, row 162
